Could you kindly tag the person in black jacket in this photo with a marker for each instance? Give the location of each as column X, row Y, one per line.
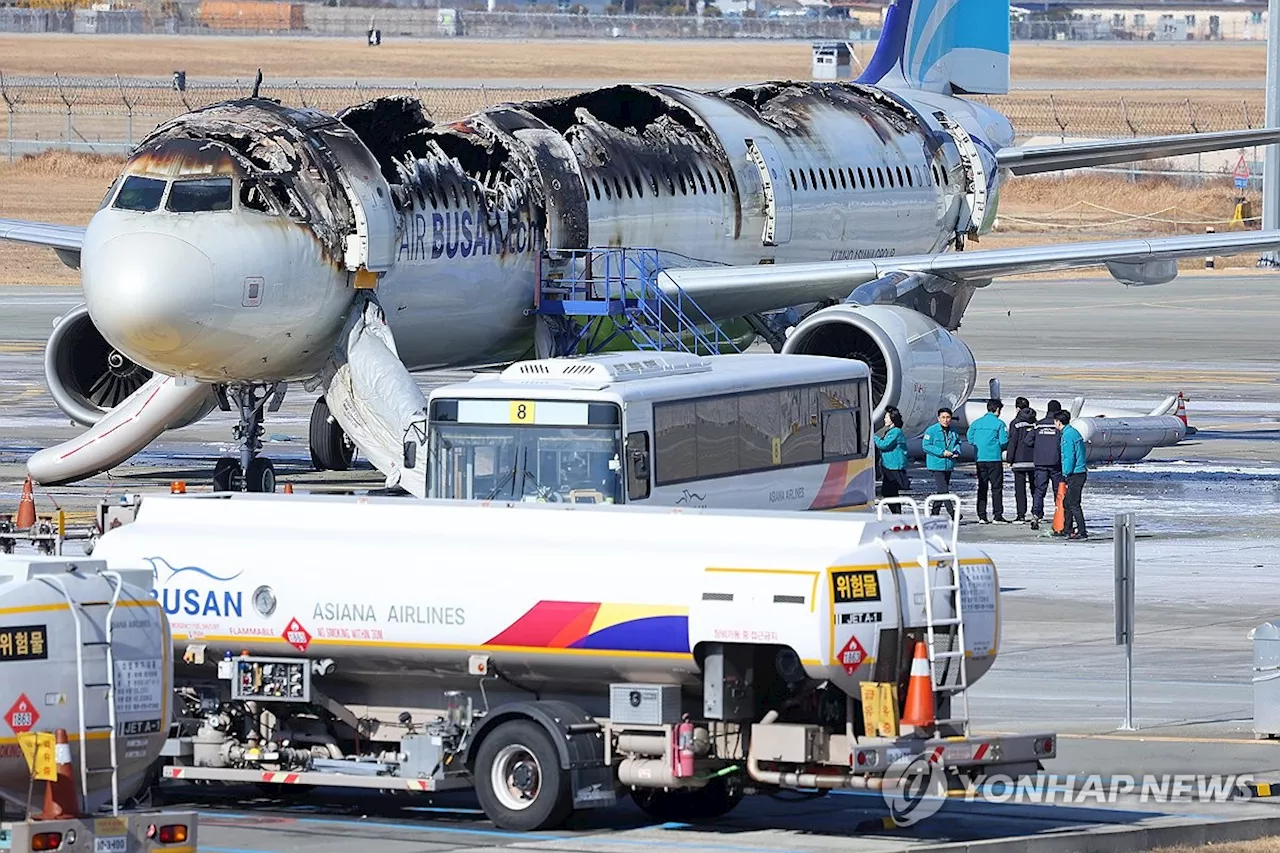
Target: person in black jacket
column 1047, row 456
column 1021, row 456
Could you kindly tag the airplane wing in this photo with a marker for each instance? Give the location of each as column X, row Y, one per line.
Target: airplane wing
column 63, row 239
column 1029, row 160
column 736, row 291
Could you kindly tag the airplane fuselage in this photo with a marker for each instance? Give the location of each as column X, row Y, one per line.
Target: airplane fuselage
column 767, row 175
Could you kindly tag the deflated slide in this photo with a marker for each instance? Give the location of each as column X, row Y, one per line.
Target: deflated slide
column 372, row 396
column 129, row 427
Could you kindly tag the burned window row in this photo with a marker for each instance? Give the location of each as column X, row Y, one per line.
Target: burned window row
column 856, row 178
column 688, row 181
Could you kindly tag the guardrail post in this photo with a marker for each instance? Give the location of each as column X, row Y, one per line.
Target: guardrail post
column 128, row 115
column 57, row 81
column 9, row 108
column 1125, row 604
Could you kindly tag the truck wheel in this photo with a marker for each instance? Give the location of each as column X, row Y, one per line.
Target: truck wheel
column 331, row 450
column 717, row 799
column 518, row 778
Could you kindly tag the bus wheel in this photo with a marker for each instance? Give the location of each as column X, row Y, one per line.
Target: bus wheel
column 717, row 799
column 518, row 778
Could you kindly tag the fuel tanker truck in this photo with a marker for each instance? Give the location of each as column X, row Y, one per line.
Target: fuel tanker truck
column 86, row 689
column 556, row 656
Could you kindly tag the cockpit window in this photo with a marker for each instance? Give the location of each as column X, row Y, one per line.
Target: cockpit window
column 254, row 197
column 200, row 195
column 111, row 191
column 139, row 193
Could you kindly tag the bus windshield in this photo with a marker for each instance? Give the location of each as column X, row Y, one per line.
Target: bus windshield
column 528, row 463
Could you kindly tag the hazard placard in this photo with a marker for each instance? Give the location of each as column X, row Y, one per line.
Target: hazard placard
column 23, row 716
column 296, row 635
column 39, row 749
column 852, row 655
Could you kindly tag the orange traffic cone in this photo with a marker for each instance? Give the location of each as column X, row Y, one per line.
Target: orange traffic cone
column 918, row 709
column 1059, row 510
column 1181, row 414
column 26, row 508
column 60, row 798
column 288, row 488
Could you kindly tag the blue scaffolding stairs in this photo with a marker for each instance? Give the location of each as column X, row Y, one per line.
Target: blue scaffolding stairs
column 591, row 297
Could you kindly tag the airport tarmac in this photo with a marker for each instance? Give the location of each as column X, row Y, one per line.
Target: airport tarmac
column 1208, row 571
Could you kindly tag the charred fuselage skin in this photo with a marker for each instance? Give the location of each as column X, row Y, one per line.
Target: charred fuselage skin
column 257, row 293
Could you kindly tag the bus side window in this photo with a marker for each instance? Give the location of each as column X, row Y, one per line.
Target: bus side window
column 637, row 466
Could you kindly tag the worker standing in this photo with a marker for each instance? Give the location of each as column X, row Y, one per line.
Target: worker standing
column 1021, row 457
column 1076, row 470
column 941, row 445
column 989, row 437
column 1047, row 456
column 893, row 457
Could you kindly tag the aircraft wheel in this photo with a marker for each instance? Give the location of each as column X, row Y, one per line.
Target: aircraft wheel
column 331, row 450
column 518, row 778
column 261, row 476
column 226, row 475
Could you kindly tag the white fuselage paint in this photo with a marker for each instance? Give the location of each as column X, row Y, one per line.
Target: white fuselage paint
column 458, row 294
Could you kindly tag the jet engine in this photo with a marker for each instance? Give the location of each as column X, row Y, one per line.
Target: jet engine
column 916, row 364
column 88, row 377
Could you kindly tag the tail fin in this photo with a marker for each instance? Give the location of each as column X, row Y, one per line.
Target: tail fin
column 947, row 46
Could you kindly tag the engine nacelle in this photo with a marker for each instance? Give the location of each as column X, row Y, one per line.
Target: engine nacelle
column 915, row 364
column 87, row 376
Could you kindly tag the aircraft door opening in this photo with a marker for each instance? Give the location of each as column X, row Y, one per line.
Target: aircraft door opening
column 777, row 192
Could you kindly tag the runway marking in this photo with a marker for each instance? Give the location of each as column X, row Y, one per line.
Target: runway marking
column 1163, row 739
column 1092, row 305
column 415, row 827
column 1137, row 737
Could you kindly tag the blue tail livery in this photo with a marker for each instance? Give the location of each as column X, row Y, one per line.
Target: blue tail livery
column 952, row 47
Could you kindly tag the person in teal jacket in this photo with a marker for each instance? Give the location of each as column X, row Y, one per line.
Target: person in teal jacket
column 1076, row 469
column 989, row 437
column 893, row 457
column 941, row 445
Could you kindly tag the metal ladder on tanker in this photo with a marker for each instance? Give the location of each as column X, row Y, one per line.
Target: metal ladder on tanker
column 79, row 610
column 947, row 553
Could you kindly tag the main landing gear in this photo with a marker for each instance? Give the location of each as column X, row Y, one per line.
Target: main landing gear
column 331, row 449
column 251, row 472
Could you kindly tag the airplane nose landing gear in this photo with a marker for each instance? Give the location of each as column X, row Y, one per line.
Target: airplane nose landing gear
column 251, row 472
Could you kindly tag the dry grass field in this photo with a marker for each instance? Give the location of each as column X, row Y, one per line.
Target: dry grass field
column 67, row 188
column 1271, row 844
column 564, row 61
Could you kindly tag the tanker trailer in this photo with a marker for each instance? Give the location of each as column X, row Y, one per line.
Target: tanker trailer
column 554, row 655
column 86, row 686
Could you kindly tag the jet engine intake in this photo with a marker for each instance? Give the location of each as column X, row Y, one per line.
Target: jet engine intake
column 87, row 376
column 915, row 364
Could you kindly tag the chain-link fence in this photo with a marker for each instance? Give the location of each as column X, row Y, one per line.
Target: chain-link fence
column 110, row 115
column 354, row 21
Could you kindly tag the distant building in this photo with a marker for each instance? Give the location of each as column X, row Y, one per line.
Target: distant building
column 1177, row 20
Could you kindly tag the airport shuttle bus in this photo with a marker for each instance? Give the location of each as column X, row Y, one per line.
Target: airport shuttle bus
column 741, row 431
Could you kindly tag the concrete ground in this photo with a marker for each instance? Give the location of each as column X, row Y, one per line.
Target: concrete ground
column 1208, row 571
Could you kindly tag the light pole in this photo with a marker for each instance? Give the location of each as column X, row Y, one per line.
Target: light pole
column 1271, row 155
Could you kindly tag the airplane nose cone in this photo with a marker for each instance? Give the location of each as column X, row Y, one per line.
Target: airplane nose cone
column 150, row 295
